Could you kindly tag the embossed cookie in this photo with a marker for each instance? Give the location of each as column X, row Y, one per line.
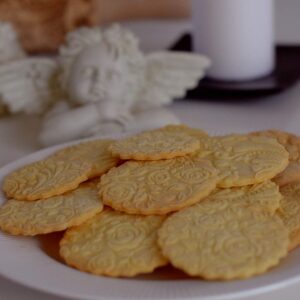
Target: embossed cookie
column 155, row 145
column 52, row 214
column 290, row 211
column 195, row 132
column 291, row 143
column 114, row 244
column 45, row 178
column 95, row 152
column 215, row 240
column 157, row 187
column 289, row 175
column 243, row 160
column 262, row 196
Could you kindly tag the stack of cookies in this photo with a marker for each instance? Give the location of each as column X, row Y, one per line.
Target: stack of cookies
column 218, row 208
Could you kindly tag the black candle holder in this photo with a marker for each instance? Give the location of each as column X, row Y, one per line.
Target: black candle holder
column 284, row 76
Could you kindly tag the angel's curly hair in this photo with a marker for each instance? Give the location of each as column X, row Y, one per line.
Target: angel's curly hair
column 120, row 41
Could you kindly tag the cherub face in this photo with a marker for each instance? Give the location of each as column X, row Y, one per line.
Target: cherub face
column 97, row 75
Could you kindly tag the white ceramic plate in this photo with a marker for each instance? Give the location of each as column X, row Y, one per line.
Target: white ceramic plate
column 23, row 260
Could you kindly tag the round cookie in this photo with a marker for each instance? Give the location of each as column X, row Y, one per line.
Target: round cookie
column 155, row 145
column 243, row 160
column 157, row 187
column 195, row 132
column 45, row 178
column 218, row 241
column 289, row 175
column 290, row 211
column 114, row 244
column 291, row 143
column 95, row 152
column 53, row 214
column 262, row 196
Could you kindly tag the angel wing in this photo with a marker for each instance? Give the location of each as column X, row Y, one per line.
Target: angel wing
column 168, row 75
column 25, row 85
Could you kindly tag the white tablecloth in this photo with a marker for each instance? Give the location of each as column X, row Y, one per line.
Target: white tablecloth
column 18, row 133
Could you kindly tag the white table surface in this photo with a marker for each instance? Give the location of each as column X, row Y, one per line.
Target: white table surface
column 18, row 134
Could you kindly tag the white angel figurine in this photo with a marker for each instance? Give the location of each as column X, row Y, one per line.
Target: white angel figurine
column 113, row 87
column 26, row 84
column 10, row 47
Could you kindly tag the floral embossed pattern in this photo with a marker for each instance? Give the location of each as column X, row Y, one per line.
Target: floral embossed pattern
column 96, row 152
column 261, row 196
column 114, row 244
column 52, row 214
column 291, row 143
column 195, row 132
column 155, row 145
column 45, row 178
column 157, row 187
column 244, row 160
column 216, row 241
column 290, row 211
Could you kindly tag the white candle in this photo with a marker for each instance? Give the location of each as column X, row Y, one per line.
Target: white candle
column 237, row 35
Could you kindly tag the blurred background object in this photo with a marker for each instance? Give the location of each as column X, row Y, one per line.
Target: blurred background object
column 42, row 24
column 238, row 36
